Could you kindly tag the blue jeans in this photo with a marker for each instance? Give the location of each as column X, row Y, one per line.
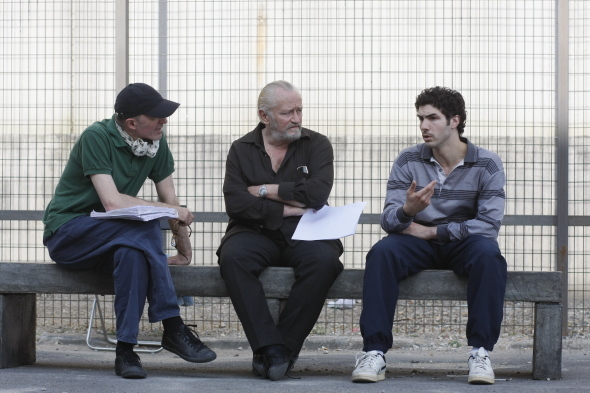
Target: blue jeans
column 129, row 250
column 399, row 256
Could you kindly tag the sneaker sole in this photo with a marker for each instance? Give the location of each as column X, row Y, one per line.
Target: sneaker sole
column 480, row 380
column 368, row 377
column 132, row 373
column 209, row 356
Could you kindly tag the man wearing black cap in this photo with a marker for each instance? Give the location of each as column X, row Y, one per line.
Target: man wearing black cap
column 107, row 167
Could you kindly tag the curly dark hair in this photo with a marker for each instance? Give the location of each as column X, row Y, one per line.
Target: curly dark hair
column 449, row 102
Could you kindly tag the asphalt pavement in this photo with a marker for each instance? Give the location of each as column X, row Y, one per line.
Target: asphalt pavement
column 66, row 365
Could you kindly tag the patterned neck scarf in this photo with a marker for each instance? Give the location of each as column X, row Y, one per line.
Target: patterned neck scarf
column 139, row 147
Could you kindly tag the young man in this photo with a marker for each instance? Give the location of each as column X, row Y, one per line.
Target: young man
column 274, row 174
column 107, row 167
column 443, row 210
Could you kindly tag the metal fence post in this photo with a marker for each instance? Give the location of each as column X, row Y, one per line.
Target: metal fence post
column 562, row 150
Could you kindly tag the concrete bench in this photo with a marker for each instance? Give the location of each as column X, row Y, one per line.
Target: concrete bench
column 20, row 282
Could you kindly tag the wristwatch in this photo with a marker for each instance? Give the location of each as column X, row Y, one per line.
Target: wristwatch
column 262, row 191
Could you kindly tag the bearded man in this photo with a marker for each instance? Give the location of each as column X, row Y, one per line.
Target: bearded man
column 274, row 174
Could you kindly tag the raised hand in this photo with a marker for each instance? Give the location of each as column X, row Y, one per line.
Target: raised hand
column 418, row 201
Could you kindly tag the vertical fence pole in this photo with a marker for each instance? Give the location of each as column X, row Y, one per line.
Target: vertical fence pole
column 121, row 44
column 562, row 134
column 163, row 47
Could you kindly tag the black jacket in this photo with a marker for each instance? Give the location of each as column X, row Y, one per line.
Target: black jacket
column 249, row 164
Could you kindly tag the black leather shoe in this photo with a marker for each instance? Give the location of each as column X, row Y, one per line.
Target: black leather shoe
column 258, row 368
column 276, row 361
column 186, row 344
column 128, row 365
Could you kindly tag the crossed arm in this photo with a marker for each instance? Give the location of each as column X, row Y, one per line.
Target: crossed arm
column 290, row 208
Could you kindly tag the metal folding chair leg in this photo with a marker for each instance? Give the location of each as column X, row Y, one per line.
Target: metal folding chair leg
column 96, row 307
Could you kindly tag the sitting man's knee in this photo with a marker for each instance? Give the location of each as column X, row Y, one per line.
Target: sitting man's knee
column 227, row 262
column 486, row 254
column 381, row 252
column 485, row 246
column 327, row 264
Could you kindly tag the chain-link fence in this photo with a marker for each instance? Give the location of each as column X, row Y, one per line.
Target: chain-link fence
column 359, row 65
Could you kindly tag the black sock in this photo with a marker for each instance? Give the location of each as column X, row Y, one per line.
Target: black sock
column 123, row 347
column 173, row 324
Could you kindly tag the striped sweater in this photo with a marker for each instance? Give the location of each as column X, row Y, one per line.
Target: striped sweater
column 469, row 202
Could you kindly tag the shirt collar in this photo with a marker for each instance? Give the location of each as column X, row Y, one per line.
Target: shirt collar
column 256, row 135
column 470, row 156
column 114, row 133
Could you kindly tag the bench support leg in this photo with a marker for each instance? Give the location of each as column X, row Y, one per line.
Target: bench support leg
column 18, row 325
column 547, row 341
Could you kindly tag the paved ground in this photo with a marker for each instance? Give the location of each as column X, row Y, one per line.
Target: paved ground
column 66, row 365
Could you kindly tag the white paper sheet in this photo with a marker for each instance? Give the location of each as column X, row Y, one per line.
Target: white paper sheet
column 329, row 222
column 139, row 213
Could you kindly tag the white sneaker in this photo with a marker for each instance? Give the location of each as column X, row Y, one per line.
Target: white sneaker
column 480, row 368
column 370, row 367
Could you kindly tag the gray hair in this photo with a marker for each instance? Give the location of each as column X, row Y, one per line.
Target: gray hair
column 267, row 100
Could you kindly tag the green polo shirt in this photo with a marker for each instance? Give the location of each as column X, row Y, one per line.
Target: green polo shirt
column 101, row 150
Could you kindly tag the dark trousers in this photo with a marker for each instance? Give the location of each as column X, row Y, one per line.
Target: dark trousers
column 399, row 256
column 132, row 252
column 245, row 255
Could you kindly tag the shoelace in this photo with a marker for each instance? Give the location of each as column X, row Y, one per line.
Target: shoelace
column 193, row 331
column 365, row 361
column 196, row 341
column 132, row 358
column 480, row 362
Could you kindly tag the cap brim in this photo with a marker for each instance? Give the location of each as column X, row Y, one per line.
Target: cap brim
column 164, row 109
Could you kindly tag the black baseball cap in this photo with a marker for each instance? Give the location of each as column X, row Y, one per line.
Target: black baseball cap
column 141, row 99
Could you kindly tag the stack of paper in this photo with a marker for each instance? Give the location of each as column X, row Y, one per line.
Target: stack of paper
column 140, row 213
column 329, row 222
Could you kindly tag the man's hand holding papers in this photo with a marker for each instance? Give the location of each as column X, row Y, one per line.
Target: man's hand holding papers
column 140, row 213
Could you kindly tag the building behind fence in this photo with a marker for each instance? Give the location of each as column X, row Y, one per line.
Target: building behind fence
column 359, row 65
